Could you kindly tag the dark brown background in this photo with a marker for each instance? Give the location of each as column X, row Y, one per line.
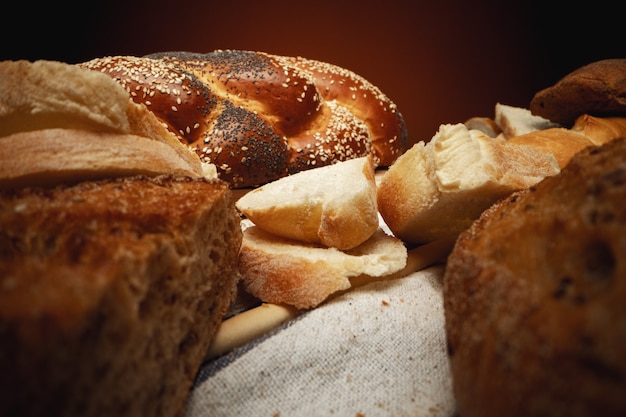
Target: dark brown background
column 441, row 61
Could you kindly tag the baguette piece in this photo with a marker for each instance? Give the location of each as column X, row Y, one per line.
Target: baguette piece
column 437, row 189
column 334, row 205
column 565, row 143
column 111, row 292
column 282, row 271
column 534, row 297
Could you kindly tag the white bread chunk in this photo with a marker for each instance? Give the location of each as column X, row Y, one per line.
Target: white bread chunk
column 437, row 189
column 334, row 205
column 515, row 121
column 282, row 271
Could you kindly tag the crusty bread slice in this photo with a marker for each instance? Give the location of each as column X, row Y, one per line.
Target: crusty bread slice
column 334, row 205
column 515, row 121
column 111, row 293
column 55, row 156
column 437, row 189
column 282, row 271
column 49, row 95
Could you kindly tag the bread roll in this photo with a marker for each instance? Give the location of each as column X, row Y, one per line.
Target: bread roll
column 534, row 297
column 282, row 271
column 334, row 205
column 437, row 189
column 111, row 292
column 598, row 89
column 259, row 117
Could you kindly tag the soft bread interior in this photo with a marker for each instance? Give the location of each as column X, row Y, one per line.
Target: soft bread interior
column 334, row 205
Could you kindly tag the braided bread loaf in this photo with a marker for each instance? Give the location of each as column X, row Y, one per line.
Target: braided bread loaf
column 259, row 117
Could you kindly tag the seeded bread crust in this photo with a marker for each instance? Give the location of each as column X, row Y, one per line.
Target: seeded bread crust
column 259, row 117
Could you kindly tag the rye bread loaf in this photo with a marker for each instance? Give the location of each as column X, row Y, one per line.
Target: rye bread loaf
column 598, row 89
column 111, row 292
column 534, row 296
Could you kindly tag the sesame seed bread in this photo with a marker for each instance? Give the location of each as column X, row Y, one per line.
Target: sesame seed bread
column 40, row 98
column 534, row 297
column 111, row 292
column 333, row 205
column 282, row 271
column 437, row 189
column 259, row 117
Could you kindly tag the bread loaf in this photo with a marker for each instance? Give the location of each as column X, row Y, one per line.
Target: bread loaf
column 534, row 297
column 111, row 292
column 598, row 89
column 258, row 117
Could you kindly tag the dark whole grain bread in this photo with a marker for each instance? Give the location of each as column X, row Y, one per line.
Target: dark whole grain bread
column 535, row 297
column 598, row 89
column 111, row 292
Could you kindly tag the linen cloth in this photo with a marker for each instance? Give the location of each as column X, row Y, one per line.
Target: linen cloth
column 377, row 350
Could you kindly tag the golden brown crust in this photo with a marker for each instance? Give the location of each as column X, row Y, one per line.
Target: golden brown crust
column 533, row 296
column 561, row 142
column 565, row 143
column 111, row 292
column 259, row 117
column 598, row 88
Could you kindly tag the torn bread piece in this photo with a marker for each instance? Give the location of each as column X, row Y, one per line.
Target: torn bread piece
column 333, row 206
column 437, row 189
column 515, row 121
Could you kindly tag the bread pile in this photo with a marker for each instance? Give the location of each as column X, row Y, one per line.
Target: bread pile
column 438, row 188
column 259, row 117
column 312, row 231
column 118, row 249
column 534, row 290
